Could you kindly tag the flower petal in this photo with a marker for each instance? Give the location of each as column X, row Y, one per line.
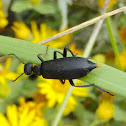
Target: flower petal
column 12, row 115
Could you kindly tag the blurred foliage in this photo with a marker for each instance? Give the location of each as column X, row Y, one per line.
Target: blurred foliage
column 48, row 12
column 42, row 8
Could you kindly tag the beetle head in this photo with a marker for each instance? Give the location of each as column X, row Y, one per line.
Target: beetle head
column 28, row 68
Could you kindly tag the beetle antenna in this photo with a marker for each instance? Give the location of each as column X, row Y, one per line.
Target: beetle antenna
column 18, row 77
column 16, row 57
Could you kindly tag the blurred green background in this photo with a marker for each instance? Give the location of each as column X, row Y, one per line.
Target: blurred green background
column 32, row 101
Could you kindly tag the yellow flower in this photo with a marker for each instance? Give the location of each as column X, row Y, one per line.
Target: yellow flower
column 0, row 4
column 4, row 74
column 99, row 58
column 3, row 20
column 111, row 3
column 105, row 110
column 35, row 32
column 72, row 47
column 35, row 2
column 24, row 115
column 55, row 93
column 46, row 32
column 122, row 58
column 21, row 30
column 122, row 34
column 31, row 105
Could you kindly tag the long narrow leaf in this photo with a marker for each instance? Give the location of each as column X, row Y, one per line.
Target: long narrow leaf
column 106, row 77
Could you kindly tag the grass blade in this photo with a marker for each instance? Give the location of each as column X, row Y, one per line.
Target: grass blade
column 108, row 78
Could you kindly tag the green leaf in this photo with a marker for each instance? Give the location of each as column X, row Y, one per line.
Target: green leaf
column 107, row 77
column 21, row 5
column 42, row 8
column 46, row 8
column 112, row 40
column 25, row 50
column 119, row 114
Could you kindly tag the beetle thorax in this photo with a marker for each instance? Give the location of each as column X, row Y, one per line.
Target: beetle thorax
column 36, row 70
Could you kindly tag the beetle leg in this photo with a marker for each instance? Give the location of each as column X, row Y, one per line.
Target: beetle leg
column 40, row 57
column 62, row 81
column 72, row 83
column 90, row 85
column 65, row 52
column 103, row 90
column 42, row 54
column 46, row 51
column 55, row 52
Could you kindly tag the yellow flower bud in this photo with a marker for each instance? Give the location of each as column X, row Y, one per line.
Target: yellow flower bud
column 122, row 58
column 105, row 110
column 3, row 20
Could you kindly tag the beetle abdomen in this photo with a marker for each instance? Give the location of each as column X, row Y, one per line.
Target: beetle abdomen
column 66, row 68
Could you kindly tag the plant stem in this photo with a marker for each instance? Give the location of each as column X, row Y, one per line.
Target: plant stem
column 83, row 25
column 62, row 107
column 98, row 122
column 92, row 39
column 95, row 33
column 112, row 40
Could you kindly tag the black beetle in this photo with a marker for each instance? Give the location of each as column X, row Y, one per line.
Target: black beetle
column 66, row 68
